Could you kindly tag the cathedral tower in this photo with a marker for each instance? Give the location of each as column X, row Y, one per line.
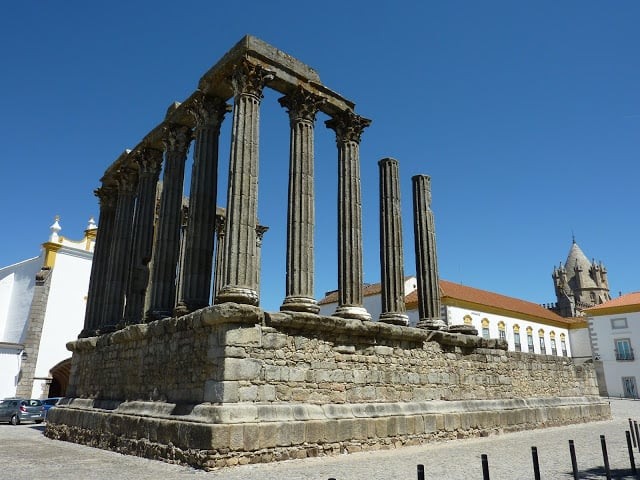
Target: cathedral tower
column 579, row 283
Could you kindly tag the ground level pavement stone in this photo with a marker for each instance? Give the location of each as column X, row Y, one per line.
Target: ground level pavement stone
column 26, row 454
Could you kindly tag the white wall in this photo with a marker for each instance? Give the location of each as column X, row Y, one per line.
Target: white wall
column 455, row 316
column 64, row 316
column 603, row 337
column 17, row 284
column 9, row 369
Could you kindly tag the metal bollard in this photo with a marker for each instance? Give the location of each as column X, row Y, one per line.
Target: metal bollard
column 633, row 435
column 536, row 465
column 635, row 426
column 631, row 459
column 574, row 463
column 420, row 472
column 607, row 470
column 485, row 467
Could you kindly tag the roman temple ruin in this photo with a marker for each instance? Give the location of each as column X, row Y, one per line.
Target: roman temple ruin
column 161, row 371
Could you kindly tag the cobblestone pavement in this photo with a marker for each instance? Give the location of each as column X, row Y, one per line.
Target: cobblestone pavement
column 26, row 454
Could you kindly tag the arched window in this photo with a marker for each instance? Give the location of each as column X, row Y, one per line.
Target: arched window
column 467, row 320
column 552, row 340
column 530, row 339
column 543, row 347
column 516, row 338
column 502, row 333
column 485, row 328
column 563, row 344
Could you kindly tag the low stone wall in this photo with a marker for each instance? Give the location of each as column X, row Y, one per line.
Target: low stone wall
column 234, row 384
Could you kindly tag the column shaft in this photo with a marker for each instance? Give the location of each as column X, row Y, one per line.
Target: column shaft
column 167, row 240
column 100, row 263
column 391, row 252
column 241, row 282
column 348, row 127
column 199, row 240
column 302, row 107
column 219, row 269
column 120, row 254
column 426, row 256
column 149, row 164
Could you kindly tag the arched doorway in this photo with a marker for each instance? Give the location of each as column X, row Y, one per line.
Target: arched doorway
column 60, row 378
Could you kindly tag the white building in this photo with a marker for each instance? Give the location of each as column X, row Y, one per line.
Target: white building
column 614, row 327
column 526, row 326
column 42, row 306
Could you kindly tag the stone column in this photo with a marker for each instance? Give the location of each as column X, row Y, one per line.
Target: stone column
column 240, row 285
column 391, row 253
column 100, row 264
column 149, row 163
column 302, row 107
column 198, row 254
column 120, row 254
column 167, row 240
column 260, row 231
column 348, row 127
column 218, row 275
column 426, row 258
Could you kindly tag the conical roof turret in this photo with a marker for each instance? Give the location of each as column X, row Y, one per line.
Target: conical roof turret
column 577, row 258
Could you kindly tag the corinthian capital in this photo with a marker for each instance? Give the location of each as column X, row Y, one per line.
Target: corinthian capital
column 106, row 196
column 127, row 179
column 208, row 112
column 177, row 139
column 149, row 161
column 301, row 105
column 348, row 126
column 249, row 78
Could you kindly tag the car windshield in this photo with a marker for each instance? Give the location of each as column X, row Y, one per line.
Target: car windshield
column 5, row 402
column 32, row 403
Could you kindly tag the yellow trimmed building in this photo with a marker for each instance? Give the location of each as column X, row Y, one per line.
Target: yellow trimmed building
column 42, row 306
column 615, row 333
column 526, row 326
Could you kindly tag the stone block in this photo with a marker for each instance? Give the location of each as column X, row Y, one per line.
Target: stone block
column 248, row 393
column 242, row 369
column 274, row 341
column 221, row 392
column 240, row 337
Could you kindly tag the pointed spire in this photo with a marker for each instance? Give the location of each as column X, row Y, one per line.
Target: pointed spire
column 55, row 229
column 92, row 224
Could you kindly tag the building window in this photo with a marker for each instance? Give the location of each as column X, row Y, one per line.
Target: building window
column 563, row 344
column 624, row 352
column 543, row 347
column 485, row 328
column 516, row 338
column 502, row 333
column 552, row 340
column 618, row 323
column 467, row 319
column 530, row 339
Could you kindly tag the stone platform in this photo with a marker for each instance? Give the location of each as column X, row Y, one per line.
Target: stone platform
column 234, row 384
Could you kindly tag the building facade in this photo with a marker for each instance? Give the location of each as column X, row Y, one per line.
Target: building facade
column 614, row 327
column 42, row 306
column 526, row 326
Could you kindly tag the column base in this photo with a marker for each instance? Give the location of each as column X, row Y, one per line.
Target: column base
column 431, row 324
column 349, row 311
column 154, row 315
column 235, row 294
column 394, row 318
column 300, row 304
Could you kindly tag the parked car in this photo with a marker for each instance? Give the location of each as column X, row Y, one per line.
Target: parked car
column 47, row 403
column 17, row 410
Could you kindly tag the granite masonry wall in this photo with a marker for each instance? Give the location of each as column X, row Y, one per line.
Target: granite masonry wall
column 234, row 384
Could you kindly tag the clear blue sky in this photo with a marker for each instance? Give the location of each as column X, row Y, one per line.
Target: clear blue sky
column 525, row 114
